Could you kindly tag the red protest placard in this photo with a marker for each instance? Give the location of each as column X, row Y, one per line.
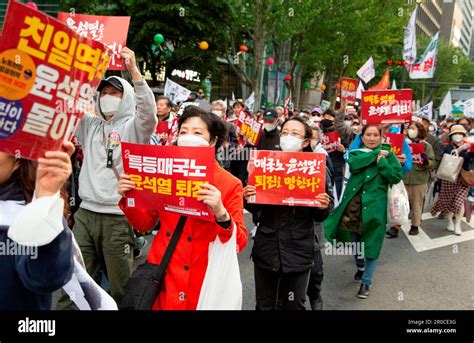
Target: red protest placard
column 396, row 142
column 348, row 90
column 112, row 31
column 416, row 150
column 470, row 140
column 388, row 106
column 167, row 177
column 287, row 178
column 330, row 141
column 249, row 127
column 48, row 75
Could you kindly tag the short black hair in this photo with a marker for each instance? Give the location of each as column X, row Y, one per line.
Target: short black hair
column 215, row 125
column 169, row 103
column 238, row 103
column 308, row 132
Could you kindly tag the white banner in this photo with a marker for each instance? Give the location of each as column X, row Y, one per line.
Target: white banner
column 426, row 111
column 409, row 39
column 425, row 66
column 446, row 107
column 367, row 71
column 250, row 102
column 176, row 92
column 469, row 108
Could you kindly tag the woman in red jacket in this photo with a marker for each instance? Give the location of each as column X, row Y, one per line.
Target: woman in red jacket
column 187, row 268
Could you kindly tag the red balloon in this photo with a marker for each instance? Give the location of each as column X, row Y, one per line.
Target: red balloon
column 287, row 78
column 270, row 61
column 244, row 48
column 32, row 5
column 337, row 86
column 389, row 62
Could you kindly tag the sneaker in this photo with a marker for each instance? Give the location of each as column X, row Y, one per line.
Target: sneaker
column 457, row 229
column 363, row 291
column 392, row 232
column 140, row 243
column 316, row 304
column 413, row 231
column 450, row 226
column 358, row 275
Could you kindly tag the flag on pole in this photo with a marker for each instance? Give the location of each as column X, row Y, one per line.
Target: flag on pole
column 359, row 91
column 424, row 67
column 469, row 108
column 367, row 71
column 384, row 83
column 250, row 102
column 409, row 39
column 394, row 84
column 426, row 111
column 446, row 107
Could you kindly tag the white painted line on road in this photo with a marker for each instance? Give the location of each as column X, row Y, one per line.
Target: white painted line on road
column 423, row 242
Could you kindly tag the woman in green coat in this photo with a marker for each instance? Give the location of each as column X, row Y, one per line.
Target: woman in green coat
column 361, row 217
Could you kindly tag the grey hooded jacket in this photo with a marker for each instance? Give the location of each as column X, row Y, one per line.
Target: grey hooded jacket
column 134, row 122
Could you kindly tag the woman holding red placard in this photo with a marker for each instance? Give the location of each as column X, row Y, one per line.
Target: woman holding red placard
column 416, row 180
column 187, row 269
column 284, row 245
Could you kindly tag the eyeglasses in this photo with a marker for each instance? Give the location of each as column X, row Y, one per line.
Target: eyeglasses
column 297, row 135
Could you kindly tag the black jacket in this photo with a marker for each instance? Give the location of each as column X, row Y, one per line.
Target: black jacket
column 285, row 238
column 269, row 140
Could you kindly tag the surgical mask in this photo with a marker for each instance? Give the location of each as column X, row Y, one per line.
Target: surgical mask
column 192, row 140
column 270, row 127
column 314, row 144
column 348, row 122
column 218, row 113
column 290, row 143
column 109, row 104
column 412, row 133
column 457, row 138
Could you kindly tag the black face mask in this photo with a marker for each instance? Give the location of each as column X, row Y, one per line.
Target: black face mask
column 326, row 123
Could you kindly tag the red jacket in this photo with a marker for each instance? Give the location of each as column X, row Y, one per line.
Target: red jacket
column 187, row 268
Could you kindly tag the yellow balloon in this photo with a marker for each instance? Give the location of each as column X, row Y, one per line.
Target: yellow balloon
column 203, row 45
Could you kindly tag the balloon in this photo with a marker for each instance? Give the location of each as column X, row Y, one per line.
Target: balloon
column 306, row 85
column 203, row 45
column 270, row 61
column 287, row 78
column 159, row 38
column 32, row 5
column 337, row 86
column 244, row 48
column 168, row 54
column 389, row 62
column 322, row 87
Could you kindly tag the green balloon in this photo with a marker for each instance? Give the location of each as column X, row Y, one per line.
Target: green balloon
column 159, row 38
column 306, row 85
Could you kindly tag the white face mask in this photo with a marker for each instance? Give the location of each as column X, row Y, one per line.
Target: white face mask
column 457, row 138
column 291, row 143
column 314, row 144
column 270, row 127
column 218, row 113
column 109, row 104
column 412, row 133
column 192, row 140
column 348, row 122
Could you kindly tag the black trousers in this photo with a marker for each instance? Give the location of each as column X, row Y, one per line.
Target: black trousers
column 316, row 277
column 280, row 291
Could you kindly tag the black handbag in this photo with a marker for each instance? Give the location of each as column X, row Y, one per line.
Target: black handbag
column 146, row 281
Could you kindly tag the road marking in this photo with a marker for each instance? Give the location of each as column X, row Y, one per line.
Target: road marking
column 422, row 242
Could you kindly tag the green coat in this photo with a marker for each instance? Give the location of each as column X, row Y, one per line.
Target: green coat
column 372, row 179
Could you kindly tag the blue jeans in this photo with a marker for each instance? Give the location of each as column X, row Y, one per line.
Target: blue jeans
column 367, row 264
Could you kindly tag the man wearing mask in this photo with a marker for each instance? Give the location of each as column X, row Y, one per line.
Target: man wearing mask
column 103, row 233
column 270, row 136
column 219, row 108
column 434, row 142
column 166, row 121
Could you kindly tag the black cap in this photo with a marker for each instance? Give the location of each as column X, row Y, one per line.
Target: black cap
column 110, row 81
column 270, row 114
